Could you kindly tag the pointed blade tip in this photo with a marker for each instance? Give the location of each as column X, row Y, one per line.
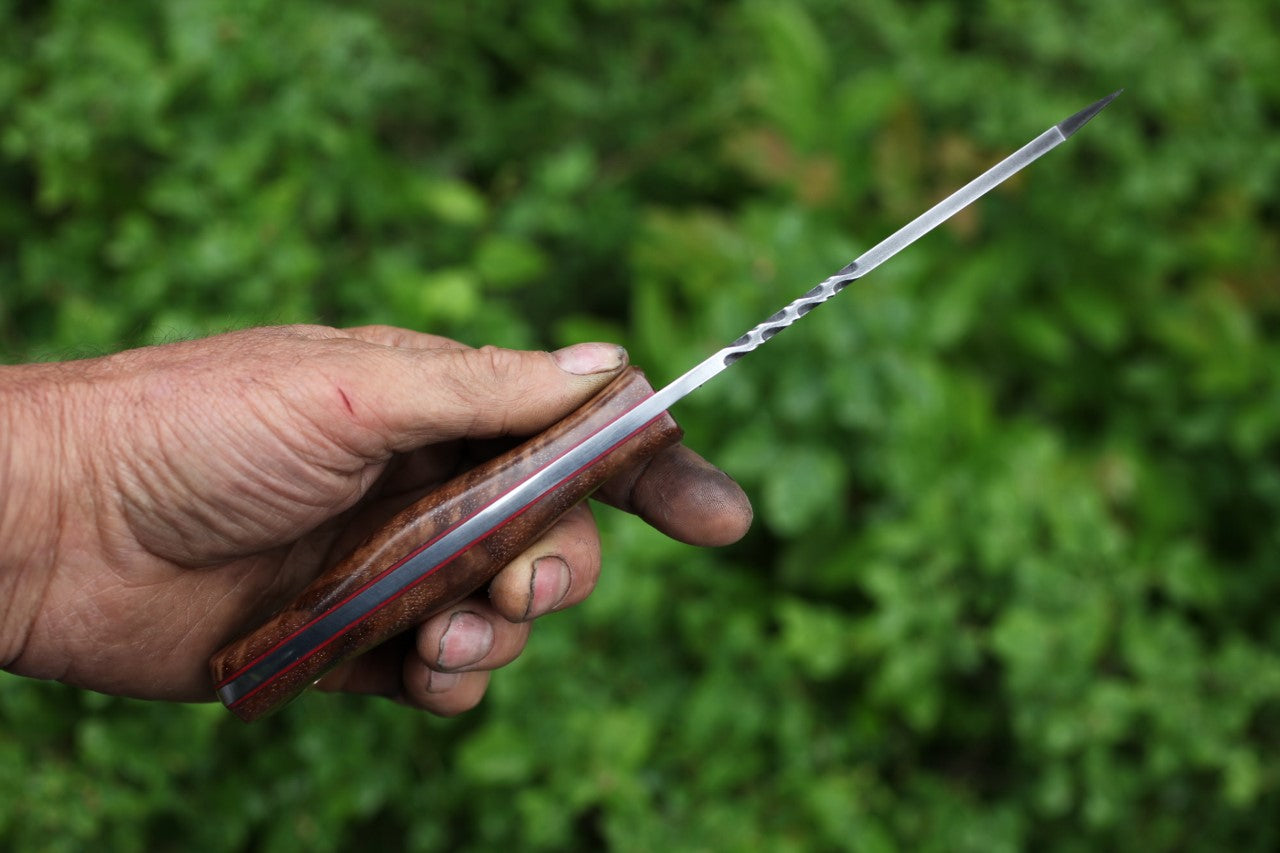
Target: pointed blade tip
column 1073, row 123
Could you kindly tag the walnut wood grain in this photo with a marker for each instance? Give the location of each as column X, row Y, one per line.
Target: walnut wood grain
column 436, row 588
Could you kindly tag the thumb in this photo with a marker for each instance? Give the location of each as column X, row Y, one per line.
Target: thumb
column 432, row 395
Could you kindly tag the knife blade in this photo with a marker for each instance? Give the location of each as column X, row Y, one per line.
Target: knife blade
column 452, row 542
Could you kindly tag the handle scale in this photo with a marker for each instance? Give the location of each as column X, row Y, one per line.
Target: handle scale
column 431, row 555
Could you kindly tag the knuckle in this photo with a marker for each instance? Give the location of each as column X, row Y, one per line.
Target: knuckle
column 496, row 376
column 497, row 365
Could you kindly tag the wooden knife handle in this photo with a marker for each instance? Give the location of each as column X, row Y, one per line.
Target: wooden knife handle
column 398, row 576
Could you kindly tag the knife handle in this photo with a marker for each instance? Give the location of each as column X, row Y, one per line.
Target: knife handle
column 386, row 586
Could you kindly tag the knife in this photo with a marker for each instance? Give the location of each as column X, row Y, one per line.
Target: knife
column 453, row 541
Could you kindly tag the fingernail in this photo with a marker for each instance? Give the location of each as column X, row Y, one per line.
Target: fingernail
column 549, row 585
column 585, row 359
column 439, row 682
column 466, row 640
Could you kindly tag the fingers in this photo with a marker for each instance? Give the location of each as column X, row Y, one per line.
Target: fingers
column 684, row 496
column 448, row 668
column 456, row 650
column 558, row 571
column 430, row 391
column 445, row 694
column 470, row 637
column 443, row 666
column 465, row 393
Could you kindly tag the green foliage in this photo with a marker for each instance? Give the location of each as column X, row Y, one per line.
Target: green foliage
column 1013, row 578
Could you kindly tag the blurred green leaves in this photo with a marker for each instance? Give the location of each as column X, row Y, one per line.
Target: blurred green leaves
column 1013, row 578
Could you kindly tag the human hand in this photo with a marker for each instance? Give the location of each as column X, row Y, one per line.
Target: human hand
column 159, row 501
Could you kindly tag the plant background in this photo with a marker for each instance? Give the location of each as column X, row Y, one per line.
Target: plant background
column 1014, row 575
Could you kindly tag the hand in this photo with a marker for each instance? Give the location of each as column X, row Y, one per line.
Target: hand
column 160, row 501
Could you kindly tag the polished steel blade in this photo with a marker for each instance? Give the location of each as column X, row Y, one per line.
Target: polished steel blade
column 877, row 255
column 470, row 530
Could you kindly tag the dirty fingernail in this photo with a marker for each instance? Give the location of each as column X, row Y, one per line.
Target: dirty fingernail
column 441, row 682
column 585, row 359
column 549, row 585
column 466, row 640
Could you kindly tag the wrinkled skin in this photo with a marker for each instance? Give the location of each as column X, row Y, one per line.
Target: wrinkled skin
column 158, row 501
